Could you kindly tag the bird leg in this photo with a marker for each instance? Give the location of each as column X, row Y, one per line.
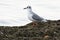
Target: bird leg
column 34, row 23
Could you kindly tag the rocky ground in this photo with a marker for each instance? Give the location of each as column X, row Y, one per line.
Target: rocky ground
column 42, row 31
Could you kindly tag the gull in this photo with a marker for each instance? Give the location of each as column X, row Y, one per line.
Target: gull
column 33, row 16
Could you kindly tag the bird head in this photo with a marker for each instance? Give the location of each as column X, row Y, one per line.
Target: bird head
column 28, row 7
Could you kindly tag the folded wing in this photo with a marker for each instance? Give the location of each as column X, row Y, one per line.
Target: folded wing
column 37, row 18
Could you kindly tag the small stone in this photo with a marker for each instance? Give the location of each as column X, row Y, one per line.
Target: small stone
column 46, row 36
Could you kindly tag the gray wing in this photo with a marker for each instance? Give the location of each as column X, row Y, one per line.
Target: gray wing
column 37, row 18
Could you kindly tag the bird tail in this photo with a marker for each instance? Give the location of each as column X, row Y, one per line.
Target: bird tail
column 45, row 20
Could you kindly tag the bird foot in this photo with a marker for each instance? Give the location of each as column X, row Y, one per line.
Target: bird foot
column 34, row 24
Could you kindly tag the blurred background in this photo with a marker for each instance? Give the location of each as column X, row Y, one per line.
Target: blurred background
column 13, row 14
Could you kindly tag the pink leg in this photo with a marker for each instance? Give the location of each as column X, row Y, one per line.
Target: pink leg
column 34, row 24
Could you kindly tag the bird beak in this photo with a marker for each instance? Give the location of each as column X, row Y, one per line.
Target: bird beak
column 25, row 8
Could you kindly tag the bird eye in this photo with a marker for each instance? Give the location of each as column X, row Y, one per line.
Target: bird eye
column 29, row 7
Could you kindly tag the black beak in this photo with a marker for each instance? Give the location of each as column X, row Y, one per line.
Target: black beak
column 25, row 8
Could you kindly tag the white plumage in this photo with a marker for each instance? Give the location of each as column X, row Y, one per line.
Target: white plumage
column 34, row 17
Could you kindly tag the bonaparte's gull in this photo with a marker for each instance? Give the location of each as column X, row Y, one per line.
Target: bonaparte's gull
column 34, row 17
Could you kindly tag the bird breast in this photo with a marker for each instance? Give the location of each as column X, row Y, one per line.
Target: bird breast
column 30, row 17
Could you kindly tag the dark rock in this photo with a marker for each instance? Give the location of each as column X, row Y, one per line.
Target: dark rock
column 43, row 31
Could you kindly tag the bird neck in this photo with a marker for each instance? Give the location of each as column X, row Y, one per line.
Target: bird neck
column 29, row 11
